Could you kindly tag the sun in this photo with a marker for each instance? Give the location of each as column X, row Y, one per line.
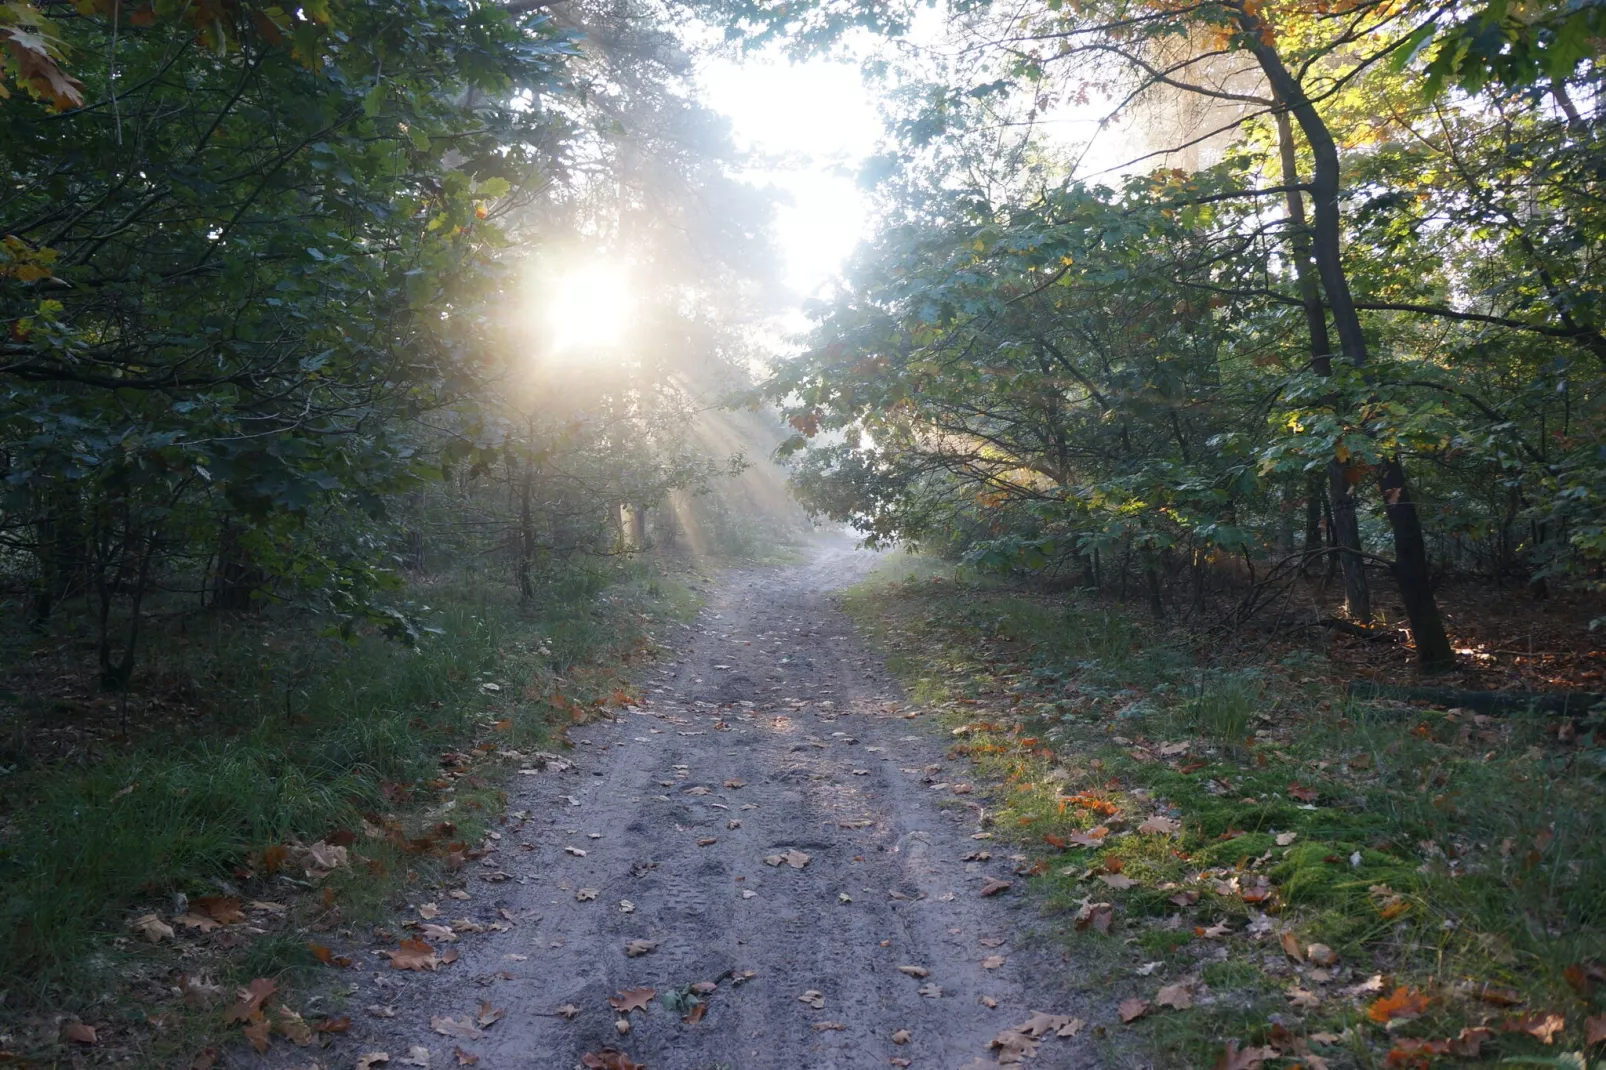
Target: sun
column 588, row 308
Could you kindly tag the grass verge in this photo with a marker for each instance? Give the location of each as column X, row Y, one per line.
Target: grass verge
column 1241, row 856
column 289, row 788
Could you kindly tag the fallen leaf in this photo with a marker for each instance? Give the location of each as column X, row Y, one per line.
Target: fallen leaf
column 1185, row 899
column 1246, row 1059
column 153, row 928
column 930, row 991
column 1286, row 838
column 252, row 998
column 1302, row 998
column 292, row 1026
column 993, row 886
column 1414, row 1052
column 1470, row 1043
column 458, row 893
column 567, row 1012
column 992, row 962
column 902, row 1036
column 1133, row 1009
column 1118, row 881
column 1290, row 944
column 793, row 857
column 341, row 1024
column 1594, row 1030
column 609, row 1059
column 915, row 971
column 417, row 1055
column 380, row 1011
column 223, row 909
column 634, row 948
column 585, row 895
column 735, row 783
column 1160, row 826
column 1542, row 1026
column 78, row 1033
column 465, row 1058
column 463, row 1027
column 414, row 955
column 577, row 852
column 813, row 999
column 1091, row 838
column 490, row 1015
column 1321, row 954
column 371, row 1059
column 821, row 1027
column 206, row 1059
column 1403, row 1004
column 621, row 1026
column 256, row 1031
column 708, row 841
column 1177, row 996
column 989, row 1002
column 631, row 999
column 1303, row 793
column 429, row 911
column 326, row 956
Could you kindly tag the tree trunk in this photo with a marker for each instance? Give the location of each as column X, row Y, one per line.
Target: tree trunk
column 1411, row 570
column 1346, row 528
column 1410, row 551
column 526, row 536
column 1347, row 537
column 237, row 578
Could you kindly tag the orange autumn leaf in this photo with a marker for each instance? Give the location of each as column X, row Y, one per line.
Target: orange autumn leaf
column 1086, row 800
column 326, row 956
column 414, row 955
column 1402, row 1003
column 1411, row 1053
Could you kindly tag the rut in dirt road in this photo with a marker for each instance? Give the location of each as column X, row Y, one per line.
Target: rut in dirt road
column 771, row 810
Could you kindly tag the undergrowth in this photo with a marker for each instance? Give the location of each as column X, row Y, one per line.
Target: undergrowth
column 1341, row 884
column 261, row 736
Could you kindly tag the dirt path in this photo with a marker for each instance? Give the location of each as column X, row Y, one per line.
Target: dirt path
column 775, row 731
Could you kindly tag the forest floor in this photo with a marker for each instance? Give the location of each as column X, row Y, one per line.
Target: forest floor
column 767, row 861
column 846, row 811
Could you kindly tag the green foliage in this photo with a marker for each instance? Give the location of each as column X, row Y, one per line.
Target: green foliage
column 1033, row 372
column 291, row 739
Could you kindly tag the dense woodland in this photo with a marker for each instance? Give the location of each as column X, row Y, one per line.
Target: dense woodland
column 1319, row 298
column 1278, row 314
column 273, row 284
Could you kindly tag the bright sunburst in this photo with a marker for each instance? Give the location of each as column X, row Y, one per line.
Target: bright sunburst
column 588, row 308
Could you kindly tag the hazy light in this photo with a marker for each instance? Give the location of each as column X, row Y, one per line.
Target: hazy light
column 810, row 125
column 588, row 308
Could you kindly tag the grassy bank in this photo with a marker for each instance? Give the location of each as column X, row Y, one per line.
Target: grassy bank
column 1255, row 860
column 254, row 741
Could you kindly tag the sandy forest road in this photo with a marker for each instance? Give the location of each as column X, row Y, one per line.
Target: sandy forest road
column 775, row 731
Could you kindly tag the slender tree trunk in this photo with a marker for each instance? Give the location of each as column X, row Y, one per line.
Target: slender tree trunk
column 1314, row 492
column 526, row 536
column 1347, row 538
column 1410, row 550
column 1346, row 528
column 236, row 578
